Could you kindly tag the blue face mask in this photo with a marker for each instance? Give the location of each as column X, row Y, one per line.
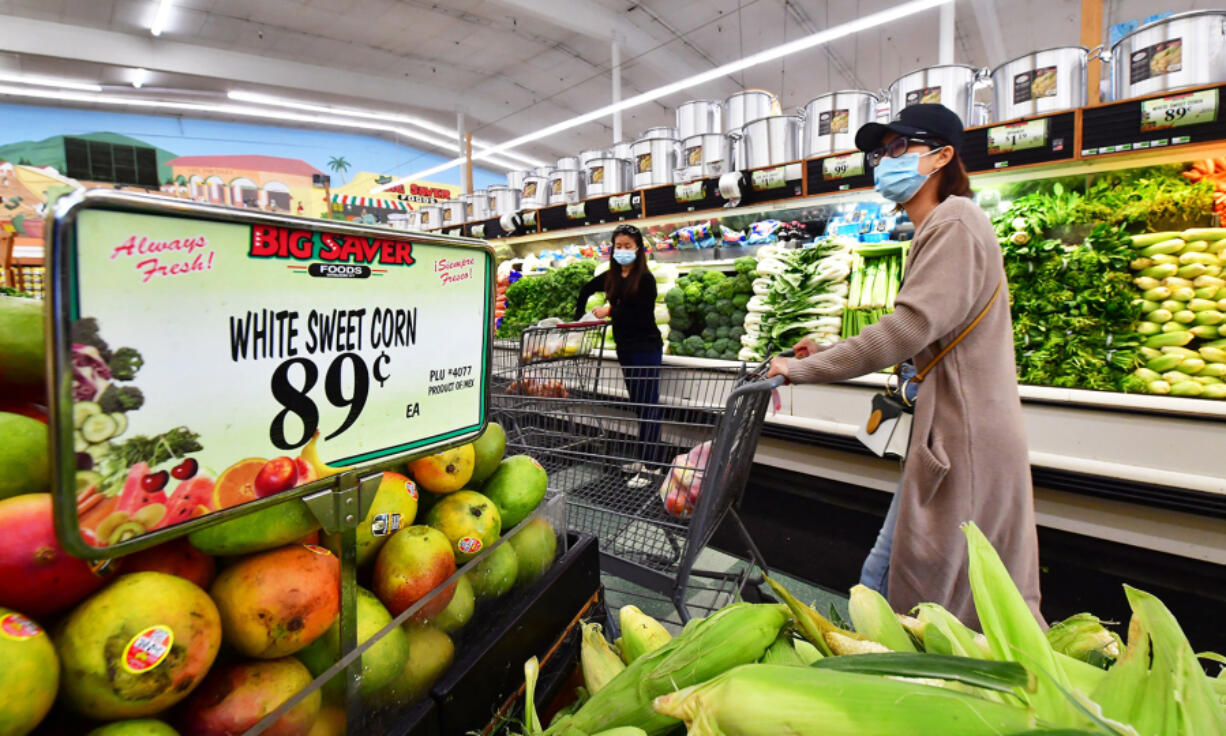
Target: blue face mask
column 624, row 257
column 898, row 179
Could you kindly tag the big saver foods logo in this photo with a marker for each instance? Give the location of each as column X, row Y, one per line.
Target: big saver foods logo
column 336, row 255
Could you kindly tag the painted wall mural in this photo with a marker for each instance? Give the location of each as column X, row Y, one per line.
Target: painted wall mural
column 44, row 149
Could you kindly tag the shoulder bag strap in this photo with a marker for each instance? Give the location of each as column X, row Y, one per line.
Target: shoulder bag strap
column 919, row 376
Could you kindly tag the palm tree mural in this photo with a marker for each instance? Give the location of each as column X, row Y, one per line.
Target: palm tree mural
column 339, row 165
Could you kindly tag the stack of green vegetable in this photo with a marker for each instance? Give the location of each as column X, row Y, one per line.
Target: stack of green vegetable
column 798, row 293
column 748, row 670
column 707, row 311
column 1184, row 312
column 552, row 294
column 1074, row 307
column 876, row 277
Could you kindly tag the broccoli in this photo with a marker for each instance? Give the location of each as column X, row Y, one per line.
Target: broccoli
column 712, row 278
column 674, row 299
column 697, row 274
column 738, row 317
column 711, row 353
column 723, row 331
column 675, row 335
column 740, row 301
column 725, row 307
column 731, row 355
column 125, row 363
column 693, row 293
column 743, row 284
column 121, row 398
column 745, row 265
column 693, row 345
column 722, row 345
column 726, row 289
column 678, row 324
column 85, row 332
column 710, row 295
column 708, row 334
column 736, row 332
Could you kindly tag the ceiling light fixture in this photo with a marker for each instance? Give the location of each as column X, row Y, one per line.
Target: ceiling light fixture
column 49, row 82
column 433, row 127
column 801, row 44
column 160, row 17
column 138, row 77
column 64, row 95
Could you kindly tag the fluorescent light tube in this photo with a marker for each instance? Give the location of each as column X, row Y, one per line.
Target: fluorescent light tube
column 50, row 82
column 160, row 17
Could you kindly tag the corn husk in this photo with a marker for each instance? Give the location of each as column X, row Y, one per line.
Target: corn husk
column 1083, row 636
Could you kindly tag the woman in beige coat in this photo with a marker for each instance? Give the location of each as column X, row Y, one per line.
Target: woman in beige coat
column 968, row 458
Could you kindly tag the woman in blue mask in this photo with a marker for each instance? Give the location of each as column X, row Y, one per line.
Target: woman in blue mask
column 630, row 292
column 968, row 458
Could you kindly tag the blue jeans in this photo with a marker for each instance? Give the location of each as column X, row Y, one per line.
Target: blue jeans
column 641, row 371
column 876, row 571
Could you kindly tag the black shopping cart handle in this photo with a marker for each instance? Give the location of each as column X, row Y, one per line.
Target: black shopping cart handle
column 583, row 324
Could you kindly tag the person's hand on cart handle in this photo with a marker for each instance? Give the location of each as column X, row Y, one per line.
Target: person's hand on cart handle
column 805, row 348
column 779, row 365
column 602, row 311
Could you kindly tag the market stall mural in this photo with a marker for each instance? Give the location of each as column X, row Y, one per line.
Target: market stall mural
column 266, row 167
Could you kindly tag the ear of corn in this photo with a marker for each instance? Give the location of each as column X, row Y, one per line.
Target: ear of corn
column 1001, row 677
column 1014, row 634
column 532, row 722
column 599, row 662
column 945, row 634
column 812, row 624
column 782, row 652
column 842, row 643
column 1158, row 686
column 640, row 633
column 1083, row 636
column 872, row 616
column 767, row 700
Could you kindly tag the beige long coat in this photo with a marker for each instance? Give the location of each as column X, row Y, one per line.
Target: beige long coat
column 968, row 457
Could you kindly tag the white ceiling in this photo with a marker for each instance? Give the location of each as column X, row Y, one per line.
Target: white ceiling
column 512, row 66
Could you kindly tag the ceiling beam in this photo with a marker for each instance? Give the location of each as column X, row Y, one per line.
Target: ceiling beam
column 989, row 29
column 61, row 40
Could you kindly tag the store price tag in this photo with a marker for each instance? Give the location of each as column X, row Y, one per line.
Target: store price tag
column 766, row 179
column 620, row 204
column 1176, row 111
column 210, row 357
column 1017, row 137
column 843, row 167
column 479, row 230
column 576, row 211
column 691, row 192
column 530, row 218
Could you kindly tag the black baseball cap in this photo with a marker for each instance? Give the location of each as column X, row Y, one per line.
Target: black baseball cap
column 916, row 121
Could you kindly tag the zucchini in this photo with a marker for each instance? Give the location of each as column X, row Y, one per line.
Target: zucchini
column 1163, row 271
column 1163, row 247
column 121, row 422
column 98, row 428
column 1191, row 366
column 1204, row 332
column 1187, row 388
column 1185, row 316
column 1190, row 271
column 1144, row 239
column 1164, row 363
column 1195, row 246
column 78, row 442
column 1212, row 355
column 84, row 410
column 1146, row 284
column 1202, row 233
column 1201, row 305
column 1157, row 293
column 1148, row 328
column 1160, row 316
column 1217, row 391
column 1161, row 388
column 1169, row 338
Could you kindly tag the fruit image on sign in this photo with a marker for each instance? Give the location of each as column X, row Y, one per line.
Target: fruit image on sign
column 446, row 472
column 412, row 563
column 97, row 639
column 469, row 520
column 29, row 676
column 275, row 603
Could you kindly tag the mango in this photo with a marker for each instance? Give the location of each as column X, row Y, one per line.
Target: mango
column 275, row 603
column 469, row 520
column 488, row 450
column 25, row 465
column 433, row 652
column 30, row 673
column 235, row 697
column 135, row 727
column 331, row 722
column 412, row 563
column 536, row 546
column 445, row 472
column 459, row 610
column 23, row 370
column 267, row 528
column 494, row 576
column 517, row 488
column 380, row 664
column 137, row 647
column 394, row 507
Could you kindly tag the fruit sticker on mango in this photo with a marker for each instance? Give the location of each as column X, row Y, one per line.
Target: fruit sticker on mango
column 17, row 627
column 147, row 649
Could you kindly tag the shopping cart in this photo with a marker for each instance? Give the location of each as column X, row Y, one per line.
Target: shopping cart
column 609, row 445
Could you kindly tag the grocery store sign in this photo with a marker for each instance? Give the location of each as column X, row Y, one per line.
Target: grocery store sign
column 766, row 179
column 1176, row 111
column 691, row 192
column 576, row 211
column 1017, row 137
column 211, row 357
column 620, row 204
column 843, row 167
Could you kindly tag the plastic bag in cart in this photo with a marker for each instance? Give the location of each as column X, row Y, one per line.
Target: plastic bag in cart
column 681, row 487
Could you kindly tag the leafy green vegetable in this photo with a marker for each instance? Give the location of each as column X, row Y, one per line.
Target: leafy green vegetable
column 125, row 363
column 552, row 294
column 155, row 450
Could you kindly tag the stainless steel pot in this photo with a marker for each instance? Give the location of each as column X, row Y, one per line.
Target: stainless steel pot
column 413, row 220
column 542, row 171
column 771, row 141
column 1039, row 82
column 566, row 186
column 503, row 200
column 1183, row 50
column 455, row 211
column 569, row 162
column 702, row 156
column 515, row 179
column 660, row 131
column 654, row 161
column 699, row 117
column 751, row 104
column 621, row 150
column 950, row 85
column 431, row 217
column 981, row 114
column 831, row 121
column 608, row 176
column 590, row 155
column 535, row 192
column 478, row 205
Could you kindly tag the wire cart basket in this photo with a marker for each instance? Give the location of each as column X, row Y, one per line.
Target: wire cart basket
column 613, row 438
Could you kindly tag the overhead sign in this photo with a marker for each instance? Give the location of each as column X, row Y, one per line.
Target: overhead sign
column 210, row 357
column 1017, row 137
column 843, row 167
column 1176, row 111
